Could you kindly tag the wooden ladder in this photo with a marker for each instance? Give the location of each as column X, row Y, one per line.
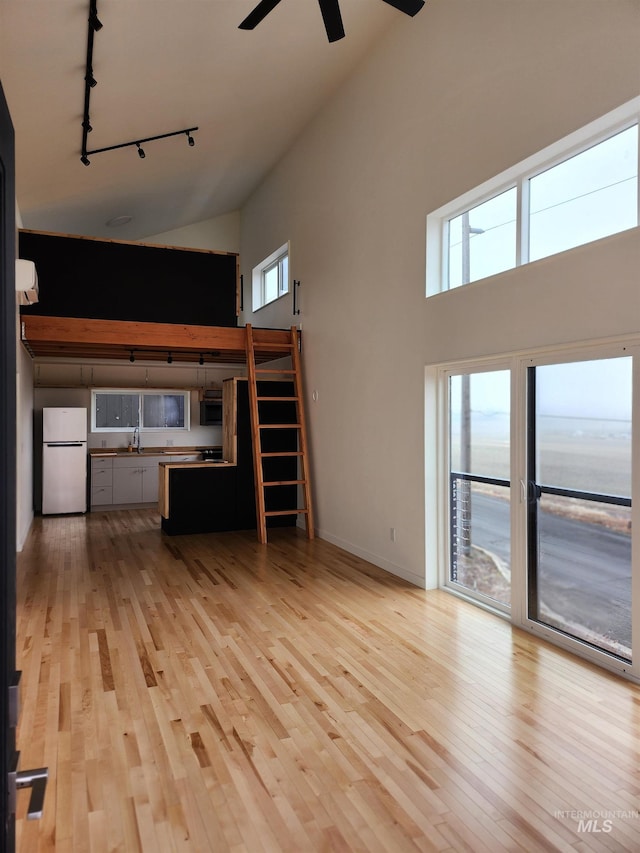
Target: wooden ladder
column 294, row 373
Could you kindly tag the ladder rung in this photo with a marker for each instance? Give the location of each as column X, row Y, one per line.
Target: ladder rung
column 285, row 483
column 278, row 399
column 287, row 512
column 274, row 370
column 279, row 426
column 274, row 453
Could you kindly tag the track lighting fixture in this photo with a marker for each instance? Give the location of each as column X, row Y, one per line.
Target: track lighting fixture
column 169, row 359
column 90, row 82
column 137, row 143
column 132, row 357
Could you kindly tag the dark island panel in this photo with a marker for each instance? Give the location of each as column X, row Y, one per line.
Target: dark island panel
column 201, row 500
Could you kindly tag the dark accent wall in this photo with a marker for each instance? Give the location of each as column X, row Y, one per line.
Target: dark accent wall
column 110, row 280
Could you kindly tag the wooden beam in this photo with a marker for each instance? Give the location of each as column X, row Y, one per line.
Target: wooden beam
column 75, row 337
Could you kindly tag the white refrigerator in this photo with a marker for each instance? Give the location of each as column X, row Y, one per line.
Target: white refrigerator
column 64, row 460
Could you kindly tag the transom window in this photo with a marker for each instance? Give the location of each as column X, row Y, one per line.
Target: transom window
column 581, row 189
column 271, row 278
column 118, row 410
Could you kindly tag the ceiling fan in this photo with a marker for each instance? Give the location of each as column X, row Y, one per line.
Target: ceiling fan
column 330, row 14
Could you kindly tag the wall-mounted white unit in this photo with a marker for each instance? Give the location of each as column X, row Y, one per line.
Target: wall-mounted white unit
column 26, row 282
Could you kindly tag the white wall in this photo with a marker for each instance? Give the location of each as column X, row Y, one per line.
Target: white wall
column 222, row 233
column 451, row 98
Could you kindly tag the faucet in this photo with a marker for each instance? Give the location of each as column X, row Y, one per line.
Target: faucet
column 136, row 439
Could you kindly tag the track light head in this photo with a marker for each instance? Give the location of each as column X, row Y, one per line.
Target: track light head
column 169, row 359
column 190, row 139
column 141, row 153
column 85, row 160
column 132, row 357
column 95, row 22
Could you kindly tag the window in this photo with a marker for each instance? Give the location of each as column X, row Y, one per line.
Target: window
column 589, row 196
column 482, row 241
column 581, row 189
column 271, row 278
column 116, row 410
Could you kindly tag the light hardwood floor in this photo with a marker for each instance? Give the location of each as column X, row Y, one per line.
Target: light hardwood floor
column 206, row 693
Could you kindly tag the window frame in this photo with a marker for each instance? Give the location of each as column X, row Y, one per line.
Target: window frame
column 141, row 393
column 519, row 175
column 273, row 261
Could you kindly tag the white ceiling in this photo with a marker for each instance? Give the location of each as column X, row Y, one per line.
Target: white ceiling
column 164, row 65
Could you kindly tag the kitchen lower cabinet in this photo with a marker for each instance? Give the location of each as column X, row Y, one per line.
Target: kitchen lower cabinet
column 127, row 485
column 150, row 483
column 134, row 481
column 101, row 481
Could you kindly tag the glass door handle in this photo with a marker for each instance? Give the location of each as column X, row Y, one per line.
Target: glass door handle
column 530, row 491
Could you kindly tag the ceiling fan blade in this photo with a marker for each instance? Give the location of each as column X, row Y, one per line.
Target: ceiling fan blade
column 259, row 13
column 332, row 19
column 409, row 7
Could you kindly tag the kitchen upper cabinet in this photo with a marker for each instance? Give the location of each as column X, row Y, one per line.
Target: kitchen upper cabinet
column 120, row 280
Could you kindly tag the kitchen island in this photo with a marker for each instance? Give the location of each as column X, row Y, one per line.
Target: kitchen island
column 206, row 497
column 200, row 497
column 119, row 478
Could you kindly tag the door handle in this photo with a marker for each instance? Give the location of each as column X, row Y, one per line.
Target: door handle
column 34, row 779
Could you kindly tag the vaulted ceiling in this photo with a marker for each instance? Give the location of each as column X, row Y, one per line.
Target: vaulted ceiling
column 164, row 65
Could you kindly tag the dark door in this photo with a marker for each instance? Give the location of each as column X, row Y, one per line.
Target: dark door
column 7, row 466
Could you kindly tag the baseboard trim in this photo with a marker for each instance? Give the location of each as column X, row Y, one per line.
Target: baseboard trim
column 376, row 559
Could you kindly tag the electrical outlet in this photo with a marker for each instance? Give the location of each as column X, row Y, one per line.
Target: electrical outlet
column 103, row 443
column 169, row 442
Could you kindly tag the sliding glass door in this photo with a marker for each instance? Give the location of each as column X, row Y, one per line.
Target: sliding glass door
column 579, row 500
column 536, row 494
